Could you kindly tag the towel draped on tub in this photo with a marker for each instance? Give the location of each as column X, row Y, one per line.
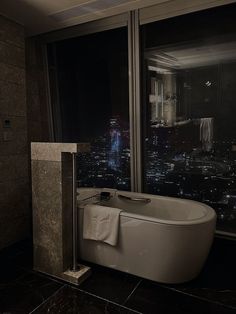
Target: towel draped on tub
column 101, row 223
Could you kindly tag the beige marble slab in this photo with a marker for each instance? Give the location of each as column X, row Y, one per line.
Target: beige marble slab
column 53, row 151
column 77, row 277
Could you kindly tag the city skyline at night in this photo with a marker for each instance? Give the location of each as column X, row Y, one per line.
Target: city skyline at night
column 174, row 167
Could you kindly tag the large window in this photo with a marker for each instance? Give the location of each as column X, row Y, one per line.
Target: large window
column 188, row 106
column 89, row 91
column 189, row 102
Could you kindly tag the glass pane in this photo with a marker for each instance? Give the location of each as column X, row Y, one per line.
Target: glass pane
column 89, row 80
column 189, row 105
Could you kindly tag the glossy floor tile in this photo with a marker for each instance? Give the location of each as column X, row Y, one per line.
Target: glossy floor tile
column 152, row 298
column 112, row 285
column 217, row 281
column 71, row 300
column 110, row 292
column 24, row 291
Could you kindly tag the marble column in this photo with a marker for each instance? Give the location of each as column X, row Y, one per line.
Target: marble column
column 52, row 205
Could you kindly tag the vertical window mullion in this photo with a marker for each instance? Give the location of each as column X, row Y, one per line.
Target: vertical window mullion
column 134, row 101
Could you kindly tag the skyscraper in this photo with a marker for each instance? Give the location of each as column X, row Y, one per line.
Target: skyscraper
column 115, row 144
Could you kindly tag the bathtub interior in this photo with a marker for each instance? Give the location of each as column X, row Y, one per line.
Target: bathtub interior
column 157, row 207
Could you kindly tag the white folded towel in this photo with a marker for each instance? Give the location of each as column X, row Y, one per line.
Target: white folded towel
column 101, row 223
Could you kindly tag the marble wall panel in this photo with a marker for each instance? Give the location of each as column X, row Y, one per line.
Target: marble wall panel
column 12, row 55
column 13, row 167
column 15, row 215
column 47, row 189
column 12, row 74
column 53, row 151
column 11, row 32
column 14, row 199
column 52, row 188
column 12, row 98
column 14, row 229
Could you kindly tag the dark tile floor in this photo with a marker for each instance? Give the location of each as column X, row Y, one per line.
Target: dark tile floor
column 107, row 291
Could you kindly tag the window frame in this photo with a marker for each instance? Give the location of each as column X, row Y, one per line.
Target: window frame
column 132, row 20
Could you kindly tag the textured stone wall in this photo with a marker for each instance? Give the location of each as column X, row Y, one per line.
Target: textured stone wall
column 52, row 171
column 14, row 160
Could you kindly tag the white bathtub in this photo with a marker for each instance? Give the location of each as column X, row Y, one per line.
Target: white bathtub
column 164, row 239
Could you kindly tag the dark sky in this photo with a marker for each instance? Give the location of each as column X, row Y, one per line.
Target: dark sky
column 93, row 82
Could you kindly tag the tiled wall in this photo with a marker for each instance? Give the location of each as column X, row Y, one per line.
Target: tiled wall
column 14, row 179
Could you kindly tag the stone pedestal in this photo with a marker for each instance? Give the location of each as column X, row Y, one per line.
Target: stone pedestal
column 52, row 205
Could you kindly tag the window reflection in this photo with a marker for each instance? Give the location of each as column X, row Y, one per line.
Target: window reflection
column 190, row 139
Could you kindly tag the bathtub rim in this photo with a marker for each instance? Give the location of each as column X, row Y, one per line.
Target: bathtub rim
column 210, row 215
column 176, row 223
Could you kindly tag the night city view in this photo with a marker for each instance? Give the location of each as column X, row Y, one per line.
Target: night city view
column 187, row 95
column 189, row 152
column 190, row 149
column 176, row 165
column 174, row 168
column 189, row 110
column 108, row 164
column 93, row 86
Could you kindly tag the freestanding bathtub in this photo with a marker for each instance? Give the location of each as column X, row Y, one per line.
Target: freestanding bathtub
column 164, row 239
